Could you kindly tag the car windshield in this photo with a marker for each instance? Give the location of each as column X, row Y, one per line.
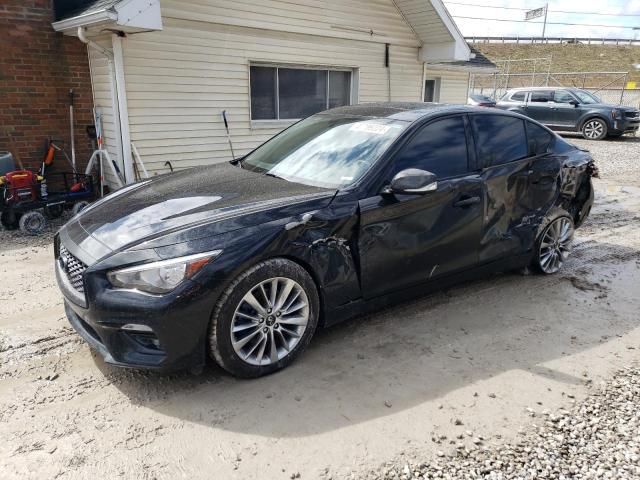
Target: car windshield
column 481, row 98
column 325, row 150
column 586, row 97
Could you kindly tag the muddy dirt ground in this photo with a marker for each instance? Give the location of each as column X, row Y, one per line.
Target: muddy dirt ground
column 477, row 359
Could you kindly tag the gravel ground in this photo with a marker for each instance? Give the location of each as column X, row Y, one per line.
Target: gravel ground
column 598, row 438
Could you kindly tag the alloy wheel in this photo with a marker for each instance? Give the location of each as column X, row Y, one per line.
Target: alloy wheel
column 593, row 129
column 269, row 321
column 557, row 241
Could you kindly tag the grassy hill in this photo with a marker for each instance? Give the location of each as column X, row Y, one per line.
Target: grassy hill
column 570, row 58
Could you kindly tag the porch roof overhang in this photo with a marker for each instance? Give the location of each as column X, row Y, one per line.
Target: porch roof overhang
column 440, row 37
column 129, row 16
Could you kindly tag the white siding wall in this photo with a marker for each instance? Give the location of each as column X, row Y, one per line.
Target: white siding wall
column 180, row 79
column 354, row 19
column 453, row 85
column 100, row 78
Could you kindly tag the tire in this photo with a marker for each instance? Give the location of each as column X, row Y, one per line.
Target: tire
column 594, row 129
column 32, row 223
column 554, row 244
column 79, row 206
column 235, row 319
column 54, row 211
column 10, row 220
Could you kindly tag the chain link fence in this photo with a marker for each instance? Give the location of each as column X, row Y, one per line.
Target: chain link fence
column 611, row 87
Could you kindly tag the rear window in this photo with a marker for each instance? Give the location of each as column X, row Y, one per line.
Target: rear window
column 539, row 139
column 499, row 139
column 542, row 96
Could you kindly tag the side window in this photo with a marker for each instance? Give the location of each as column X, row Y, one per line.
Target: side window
column 518, row 96
column 541, row 96
column 500, row 139
column 562, row 96
column 439, row 147
column 539, row 139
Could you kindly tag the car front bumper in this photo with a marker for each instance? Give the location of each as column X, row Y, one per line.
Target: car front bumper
column 626, row 125
column 132, row 329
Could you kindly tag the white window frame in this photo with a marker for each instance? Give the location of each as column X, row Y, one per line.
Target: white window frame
column 272, row 123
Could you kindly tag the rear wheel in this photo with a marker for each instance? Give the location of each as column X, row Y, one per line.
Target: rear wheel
column 264, row 319
column 594, row 129
column 554, row 245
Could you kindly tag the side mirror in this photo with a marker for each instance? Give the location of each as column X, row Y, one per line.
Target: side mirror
column 574, row 103
column 413, row 181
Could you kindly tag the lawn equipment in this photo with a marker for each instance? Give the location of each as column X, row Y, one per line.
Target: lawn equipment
column 27, row 201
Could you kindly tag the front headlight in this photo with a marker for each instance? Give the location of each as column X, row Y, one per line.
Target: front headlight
column 163, row 276
column 616, row 113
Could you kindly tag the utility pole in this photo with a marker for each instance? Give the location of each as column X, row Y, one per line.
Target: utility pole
column 544, row 25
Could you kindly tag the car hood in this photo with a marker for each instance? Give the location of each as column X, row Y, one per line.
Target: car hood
column 186, row 200
column 611, row 106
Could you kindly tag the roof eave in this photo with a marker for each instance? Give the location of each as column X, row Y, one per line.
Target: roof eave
column 462, row 50
column 463, row 68
column 125, row 15
column 87, row 20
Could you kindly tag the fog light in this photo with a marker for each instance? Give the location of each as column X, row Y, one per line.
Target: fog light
column 134, row 327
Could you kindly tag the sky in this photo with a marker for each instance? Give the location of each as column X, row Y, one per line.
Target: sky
column 493, row 28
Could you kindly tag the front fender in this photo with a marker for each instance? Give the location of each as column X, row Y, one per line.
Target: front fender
column 321, row 241
column 589, row 115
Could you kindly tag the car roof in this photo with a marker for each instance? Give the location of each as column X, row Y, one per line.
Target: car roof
column 404, row 111
column 527, row 89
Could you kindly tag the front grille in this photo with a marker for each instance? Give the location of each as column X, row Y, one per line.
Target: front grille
column 73, row 268
column 635, row 114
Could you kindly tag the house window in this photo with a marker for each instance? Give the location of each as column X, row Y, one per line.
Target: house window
column 432, row 90
column 284, row 93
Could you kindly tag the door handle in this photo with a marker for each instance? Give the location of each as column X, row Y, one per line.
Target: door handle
column 467, row 202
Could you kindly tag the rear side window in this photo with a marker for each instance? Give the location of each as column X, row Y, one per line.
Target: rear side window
column 539, row 139
column 541, row 96
column 499, row 139
column 518, row 96
column 439, row 147
column 562, row 96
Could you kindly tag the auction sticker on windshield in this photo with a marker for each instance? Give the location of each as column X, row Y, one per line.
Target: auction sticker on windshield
column 368, row 127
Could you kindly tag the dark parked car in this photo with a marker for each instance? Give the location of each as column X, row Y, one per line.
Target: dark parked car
column 480, row 100
column 573, row 110
column 345, row 211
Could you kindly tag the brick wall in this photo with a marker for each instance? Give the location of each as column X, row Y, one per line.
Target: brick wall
column 37, row 68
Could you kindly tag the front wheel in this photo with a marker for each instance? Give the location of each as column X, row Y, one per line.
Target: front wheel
column 594, row 129
column 32, row 223
column 264, row 319
column 10, row 220
column 554, row 245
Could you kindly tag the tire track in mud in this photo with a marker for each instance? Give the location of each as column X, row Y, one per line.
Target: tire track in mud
column 20, row 353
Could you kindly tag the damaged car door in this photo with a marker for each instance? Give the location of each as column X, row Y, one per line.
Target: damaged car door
column 519, row 182
column 407, row 238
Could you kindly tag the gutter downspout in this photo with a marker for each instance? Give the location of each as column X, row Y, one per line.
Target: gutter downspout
column 116, row 81
column 123, row 108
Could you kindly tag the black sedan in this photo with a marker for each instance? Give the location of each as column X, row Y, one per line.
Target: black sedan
column 345, row 211
column 480, row 100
